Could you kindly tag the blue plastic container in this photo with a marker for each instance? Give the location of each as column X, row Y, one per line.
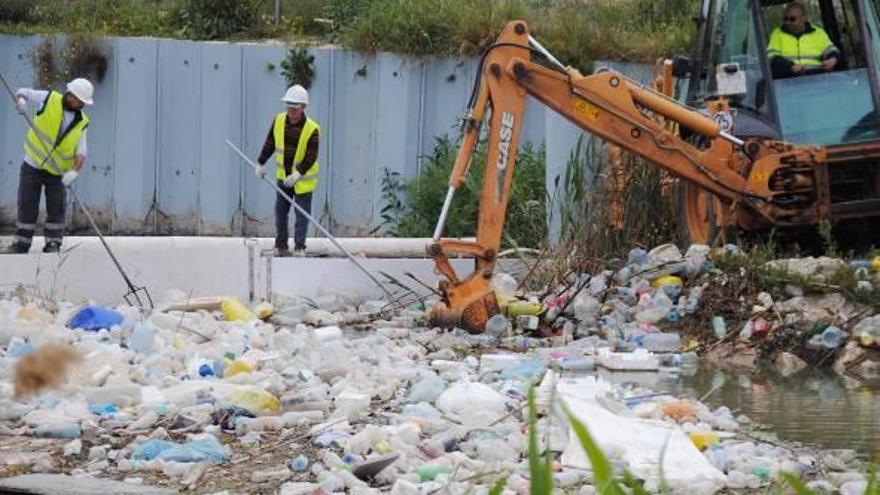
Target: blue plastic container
column 93, row 318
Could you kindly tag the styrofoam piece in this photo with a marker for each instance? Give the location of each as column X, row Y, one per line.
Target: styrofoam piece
column 499, row 362
column 638, row 360
column 639, row 443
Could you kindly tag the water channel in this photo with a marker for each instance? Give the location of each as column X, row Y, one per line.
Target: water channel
column 811, row 407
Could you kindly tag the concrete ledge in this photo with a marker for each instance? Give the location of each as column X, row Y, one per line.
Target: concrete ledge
column 60, row 484
column 212, row 266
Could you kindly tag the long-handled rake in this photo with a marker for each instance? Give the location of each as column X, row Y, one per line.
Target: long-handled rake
column 315, row 222
column 133, row 296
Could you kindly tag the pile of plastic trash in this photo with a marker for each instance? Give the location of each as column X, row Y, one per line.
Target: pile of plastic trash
column 343, row 395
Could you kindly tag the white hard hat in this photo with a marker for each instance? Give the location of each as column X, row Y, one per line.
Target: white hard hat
column 296, row 94
column 82, row 89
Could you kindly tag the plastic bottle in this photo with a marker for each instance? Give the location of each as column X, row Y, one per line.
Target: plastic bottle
column 104, row 409
column 220, row 367
column 832, row 337
column 718, row 457
column 236, row 367
column 496, row 325
column 670, row 284
column 300, row 463
column 746, row 333
column 59, row 430
column 255, row 400
column 428, row 473
column 205, row 370
column 18, row 349
column 143, row 339
column 236, row 311
column 704, row 439
column 637, row 256
column 661, row 342
column 519, row 308
column 654, row 308
column 693, row 300
column 719, row 327
column 673, row 315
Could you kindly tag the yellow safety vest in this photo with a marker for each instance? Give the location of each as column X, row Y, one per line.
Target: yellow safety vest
column 806, row 49
column 309, row 181
column 48, row 123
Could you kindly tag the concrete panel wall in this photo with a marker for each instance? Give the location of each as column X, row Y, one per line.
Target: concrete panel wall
column 159, row 165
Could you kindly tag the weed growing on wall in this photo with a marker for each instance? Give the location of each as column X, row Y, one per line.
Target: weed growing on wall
column 526, row 214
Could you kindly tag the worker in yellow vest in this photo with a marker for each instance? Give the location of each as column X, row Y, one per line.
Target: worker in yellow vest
column 293, row 138
column 57, row 140
column 798, row 48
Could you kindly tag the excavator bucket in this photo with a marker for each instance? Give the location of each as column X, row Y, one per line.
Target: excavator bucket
column 472, row 317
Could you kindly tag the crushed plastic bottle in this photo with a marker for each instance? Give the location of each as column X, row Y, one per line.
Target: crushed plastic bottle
column 670, row 284
column 255, row 400
column 59, row 430
column 238, row 366
column 832, row 337
column 719, row 327
column 496, row 325
column 233, row 310
column 429, row 472
column 143, row 339
column 693, row 300
column 18, row 349
column 300, row 463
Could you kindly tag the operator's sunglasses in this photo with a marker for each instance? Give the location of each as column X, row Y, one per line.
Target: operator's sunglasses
column 791, row 19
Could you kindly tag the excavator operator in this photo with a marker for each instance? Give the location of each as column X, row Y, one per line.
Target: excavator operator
column 798, row 48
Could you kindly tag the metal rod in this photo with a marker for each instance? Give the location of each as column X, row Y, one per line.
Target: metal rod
column 538, row 46
column 58, row 170
column 733, row 139
column 312, row 219
column 441, row 222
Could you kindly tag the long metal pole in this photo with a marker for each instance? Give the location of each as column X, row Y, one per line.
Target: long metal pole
column 131, row 287
column 312, row 219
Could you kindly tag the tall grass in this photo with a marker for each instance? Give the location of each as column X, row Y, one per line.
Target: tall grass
column 578, row 31
column 584, row 197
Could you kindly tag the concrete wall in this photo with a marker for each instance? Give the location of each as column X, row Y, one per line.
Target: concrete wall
column 158, row 164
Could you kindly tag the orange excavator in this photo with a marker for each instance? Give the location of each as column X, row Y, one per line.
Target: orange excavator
column 749, row 180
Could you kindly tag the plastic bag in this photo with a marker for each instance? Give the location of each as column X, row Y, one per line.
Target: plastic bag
column 255, row 400
column 204, row 449
column 93, row 318
column 236, row 311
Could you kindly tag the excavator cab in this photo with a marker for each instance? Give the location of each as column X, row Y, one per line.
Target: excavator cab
column 835, row 108
column 820, row 107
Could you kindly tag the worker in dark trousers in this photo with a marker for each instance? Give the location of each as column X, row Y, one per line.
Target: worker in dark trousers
column 57, row 140
column 293, row 138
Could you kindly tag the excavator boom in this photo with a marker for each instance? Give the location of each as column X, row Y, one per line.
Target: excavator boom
column 620, row 111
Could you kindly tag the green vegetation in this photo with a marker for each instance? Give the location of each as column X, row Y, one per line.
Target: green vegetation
column 599, row 222
column 525, row 225
column 578, row 31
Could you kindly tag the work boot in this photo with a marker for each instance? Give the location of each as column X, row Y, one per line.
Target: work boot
column 282, row 252
column 15, row 248
column 299, row 252
column 52, row 247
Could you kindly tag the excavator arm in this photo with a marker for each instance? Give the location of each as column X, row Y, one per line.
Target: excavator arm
column 606, row 104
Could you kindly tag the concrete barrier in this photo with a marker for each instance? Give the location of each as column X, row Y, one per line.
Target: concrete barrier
column 213, row 266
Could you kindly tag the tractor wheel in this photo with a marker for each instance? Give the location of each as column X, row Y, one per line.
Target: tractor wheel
column 697, row 217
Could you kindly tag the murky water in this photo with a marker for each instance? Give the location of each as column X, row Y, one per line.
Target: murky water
column 810, row 407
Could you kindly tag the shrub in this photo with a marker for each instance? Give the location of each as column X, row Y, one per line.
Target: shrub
column 15, row 10
column 214, row 19
column 526, row 213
